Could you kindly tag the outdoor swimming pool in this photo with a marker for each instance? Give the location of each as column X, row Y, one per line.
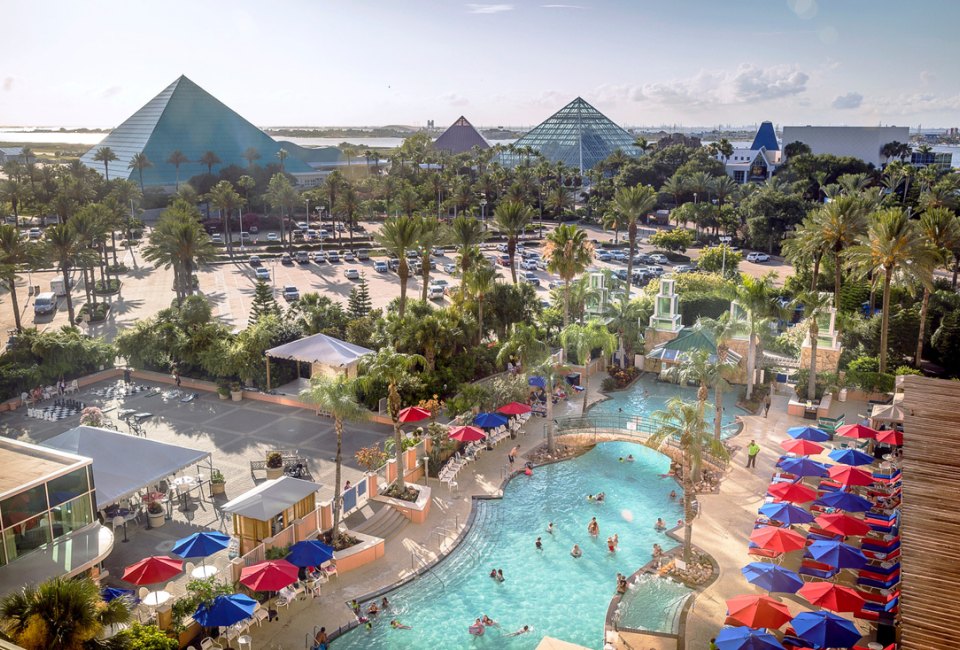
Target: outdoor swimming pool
column 548, row 590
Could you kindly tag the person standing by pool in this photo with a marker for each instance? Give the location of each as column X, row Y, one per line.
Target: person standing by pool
column 593, row 528
column 610, row 545
column 512, row 456
column 752, row 450
column 320, row 641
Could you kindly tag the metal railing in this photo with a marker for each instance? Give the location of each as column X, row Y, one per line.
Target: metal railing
column 427, row 569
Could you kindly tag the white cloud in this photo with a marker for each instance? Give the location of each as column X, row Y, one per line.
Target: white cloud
column 562, row 7
column 927, row 77
column 454, row 99
column 7, row 84
column 488, row 9
column 916, row 104
column 848, row 101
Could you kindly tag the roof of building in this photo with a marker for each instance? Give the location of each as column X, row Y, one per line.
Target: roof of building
column 25, row 464
column 460, row 137
column 578, row 135
column 766, row 138
column 11, row 151
column 689, row 340
column 187, row 118
column 270, row 498
column 319, row 348
column 313, row 156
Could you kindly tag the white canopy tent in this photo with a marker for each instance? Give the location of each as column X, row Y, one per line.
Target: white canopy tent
column 123, row 464
column 319, row 350
column 270, row 498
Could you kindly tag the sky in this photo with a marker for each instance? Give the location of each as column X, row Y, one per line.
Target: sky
column 381, row 62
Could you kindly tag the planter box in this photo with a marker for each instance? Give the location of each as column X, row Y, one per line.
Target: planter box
column 274, row 472
column 223, row 396
column 156, row 521
column 218, row 488
column 415, row 511
column 236, row 395
column 370, row 549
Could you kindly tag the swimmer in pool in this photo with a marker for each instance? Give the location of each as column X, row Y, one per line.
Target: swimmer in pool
column 397, row 625
column 630, row 458
column 522, row 630
column 477, row 628
column 660, row 525
column 576, row 552
column 489, row 621
column 550, row 528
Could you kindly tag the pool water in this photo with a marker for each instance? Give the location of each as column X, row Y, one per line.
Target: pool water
column 634, row 611
column 647, row 395
column 548, row 590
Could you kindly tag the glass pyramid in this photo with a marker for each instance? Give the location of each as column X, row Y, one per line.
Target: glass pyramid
column 184, row 116
column 578, row 135
column 460, row 137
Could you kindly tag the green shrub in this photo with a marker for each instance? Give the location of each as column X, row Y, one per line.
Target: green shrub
column 112, row 286
column 826, row 382
column 146, row 637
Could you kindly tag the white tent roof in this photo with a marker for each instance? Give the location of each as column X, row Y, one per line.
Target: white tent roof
column 270, row 498
column 122, row 463
column 319, row 348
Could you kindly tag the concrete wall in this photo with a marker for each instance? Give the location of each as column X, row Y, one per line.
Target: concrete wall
column 861, row 142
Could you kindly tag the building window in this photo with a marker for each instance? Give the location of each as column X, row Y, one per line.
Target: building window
column 24, row 505
column 71, row 516
column 739, row 177
column 26, row 536
column 69, row 486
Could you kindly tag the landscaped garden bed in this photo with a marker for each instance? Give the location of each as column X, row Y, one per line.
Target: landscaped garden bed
column 111, row 286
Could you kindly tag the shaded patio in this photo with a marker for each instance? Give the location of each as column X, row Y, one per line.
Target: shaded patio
column 325, row 354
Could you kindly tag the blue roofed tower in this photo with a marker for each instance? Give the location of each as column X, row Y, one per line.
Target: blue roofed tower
column 766, row 138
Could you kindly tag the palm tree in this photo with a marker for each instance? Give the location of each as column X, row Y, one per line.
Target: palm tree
column 60, row 614
column 282, row 155
column 693, row 367
column 755, row 296
column 62, row 246
column 939, row 227
column 682, row 423
column 14, row 253
column 481, row 281
column 246, row 183
column 281, row 195
column 525, row 346
column 568, row 254
column 397, row 236
column 176, row 159
column 178, row 241
column 430, row 233
column 676, row 187
column 209, row 159
column 559, row 200
column 512, row 219
column 338, row 398
column 140, row 162
column 633, row 204
column 806, row 245
column 251, row 155
column 722, row 329
column 106, row 156
column 386, row 364
column 349, row 202
column 623, row 318
column 467, row 233
column 611, row 221
column 584, row 339
column 892, row 244
column 840, row 223
column 552, row 374
column 227, row 200
column 815, row 305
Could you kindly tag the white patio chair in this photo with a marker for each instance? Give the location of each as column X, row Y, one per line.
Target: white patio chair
column 210, row 644
column 260, row 614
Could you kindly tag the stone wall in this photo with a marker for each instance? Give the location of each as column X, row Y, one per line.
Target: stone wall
column 828, row 359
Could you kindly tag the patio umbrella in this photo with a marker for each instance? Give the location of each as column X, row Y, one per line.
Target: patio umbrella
column 413, row 414
column 309, row 553
column 850, row 475
column 837, row 554
column 514, row 408
column 537, row 381
column 845, row 501
column 832, row 596
column 745, row 638
column 786, row 513
column 890, row 437
column 272, row 575
column 808, row 433
column 112, row 593
column 225, row 610
column 201, row 544
column 857, row 430
column 825, row 630
column 758, row 611
column 801, row 446
column 851, row 457
column 151, row 570
column 792, row 492
column 773, row 538
column 843, row 524
column 466, row 434
column 803, row 467
column 489, row 420
column 772, row 577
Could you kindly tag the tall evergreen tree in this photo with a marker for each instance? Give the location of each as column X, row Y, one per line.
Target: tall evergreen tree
column 359, row 304
column 263, row 302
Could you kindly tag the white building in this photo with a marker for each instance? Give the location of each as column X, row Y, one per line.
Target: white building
column 756, row 164
column 863, row 142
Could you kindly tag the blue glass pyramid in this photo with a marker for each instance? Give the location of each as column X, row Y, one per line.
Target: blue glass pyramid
column 184, row 116
column 766, row 138
column 578, row 135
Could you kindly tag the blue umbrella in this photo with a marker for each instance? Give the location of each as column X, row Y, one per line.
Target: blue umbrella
column 772, row 577
column 309, row 553
column 225, row 610
column 746, row 638
column 809, row 433
column 851, row 457
column 838, row 554
column 489, row 420
column 824, row 629
column 112, row 593
column 201, row 544
column 845, row 501
column 537, row 381
column 786, row 513
column 803, row 466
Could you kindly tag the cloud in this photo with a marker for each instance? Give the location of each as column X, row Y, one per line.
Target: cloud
column 562, row 7
column 488, row 9
column 454, row 99
column 927, row 77
column 110, row 92
column 848, row 101
column 915, row 104
column 7, row 84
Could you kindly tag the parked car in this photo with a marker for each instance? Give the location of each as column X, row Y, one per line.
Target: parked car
column 333, row 256
column 352, row 274
column 685, row 268
column 363, row 254
column 434, row 292
column 502, row 248
column 272, row 237
column 659, row 259
column 450, row 268
column 437, row 251
column 655, row 271
column 302, row 225
column 323, row 233
column 291, row 293
column 503, row 260
column 244, row 236
column 262, row 273
column 44, row 303
column 555, row 284
column 758, row 257
column 412, row 255
column 618, row 256
column 642, row 259
column 319, row 257
column 286, row 259
column 393, row 263
column 216, row 237
column 303, row 257
column 254, row 260
column 380, row 266
column 531, row 278
column 254, row 230
column 528, row 265
column 311, row 233
column 603, row 256
column 349, row 256
column 620, row 274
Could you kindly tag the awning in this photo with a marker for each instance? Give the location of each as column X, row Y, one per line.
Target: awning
column 687, row 341
column 270, row 498
column 319, row 348
column 122, row 463
column 886, row 413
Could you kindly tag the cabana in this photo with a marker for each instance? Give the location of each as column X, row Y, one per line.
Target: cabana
column 325, row 354
column 689, row 340
column 886, row 414
column 124, row 464
column 269, row 508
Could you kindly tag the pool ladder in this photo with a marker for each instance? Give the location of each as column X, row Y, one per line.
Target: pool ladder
column 414, row 556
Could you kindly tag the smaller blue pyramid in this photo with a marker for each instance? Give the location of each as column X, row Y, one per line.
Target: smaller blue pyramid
column 766, row 138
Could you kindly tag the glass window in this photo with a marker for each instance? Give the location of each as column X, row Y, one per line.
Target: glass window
column 26, row 536
column 69, row 486
column 24, row 505
column 71, row 516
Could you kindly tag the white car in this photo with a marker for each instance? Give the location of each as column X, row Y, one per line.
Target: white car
column 758, row 257
column 349, row 256
column 34, row 233
column 529, row 265
column 262, row 273
column 216, row 237
column 290, row 292
column 272, row 236
column 302, row 225
column 435, row 292
column 450, row 268
column 352, row 274
column 659, row 259
column 319, row 257
column 254, row 260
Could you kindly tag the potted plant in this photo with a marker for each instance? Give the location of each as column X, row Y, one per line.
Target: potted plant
column 155, row 514
column 218, row 484
column 274, row 465
column 223, row 390
column 236, row 391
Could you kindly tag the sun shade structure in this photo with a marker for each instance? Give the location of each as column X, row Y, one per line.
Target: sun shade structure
column 808, row 433
column 786, row 513
column 152, row 570
column 319, row 350
column 225, row 610
column 772, row 577
column 578, row 135
column 825, row 630
column 272, row 575
column 757, row 611
column 489, row 420
column 746, row 638
column 460, row 137
column 772, row 538
column 792, row 492
column 413, row 414
column 514, row 408
column 802, row 447
column 851, row 457
column 690, row 340
column 831, row 596
column 467, row 434
column 850, row 475
column 843, row 524
column 890, row 437
column 123, row 464
column 845, row 501
column 838, row 554
column 803, row 467
column 201, row 544
column 184, row 117
column 857, row 431
column 311, row 552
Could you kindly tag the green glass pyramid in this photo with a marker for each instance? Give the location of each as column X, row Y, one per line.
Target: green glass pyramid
column 578, row 135
column 185, row 117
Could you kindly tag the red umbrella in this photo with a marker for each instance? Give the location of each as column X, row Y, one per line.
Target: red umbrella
column 758, row 611
column 843, row 524
column 467, row 434
column 272, row 575
column 792, row 492
column 857, row 431
column 152, row 570
column 848, row 475
column 801, row 446
column 413, row 414
column 514, row 408
column 890, row 437
column 832, row 596
column 773, row 538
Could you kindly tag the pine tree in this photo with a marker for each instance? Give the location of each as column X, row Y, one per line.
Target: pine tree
column 359, row 304
column 263, row 302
